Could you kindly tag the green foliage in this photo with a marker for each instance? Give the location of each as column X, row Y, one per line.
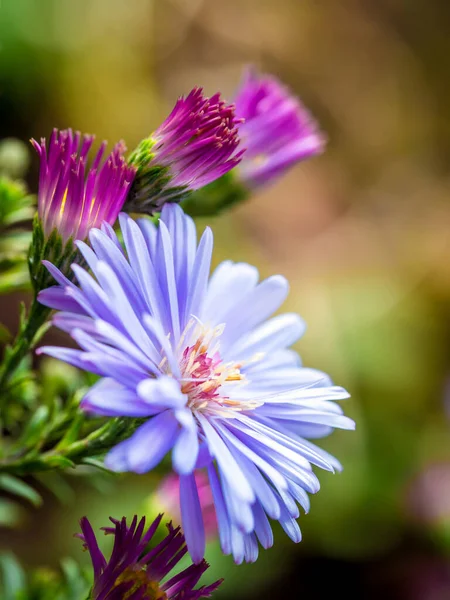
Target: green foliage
column 34, row 324
column 70, row 583
column 16, row 207
column 48, row 433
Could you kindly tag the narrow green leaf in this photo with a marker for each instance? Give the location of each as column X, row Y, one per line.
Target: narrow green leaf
column 13, row 577
column 77, row 585
column 5, row 334
column 72, row 433
column 97, row 463
column 20, row 488
column 34, row 431
column 40, row 333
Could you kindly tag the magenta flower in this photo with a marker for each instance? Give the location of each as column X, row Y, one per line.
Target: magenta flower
column 137, row 572
column 277, row 130
column 195, row 145
column 198, row 140
column 72, row 198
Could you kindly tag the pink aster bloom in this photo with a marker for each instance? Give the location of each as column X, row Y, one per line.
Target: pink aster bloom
column 73, row 198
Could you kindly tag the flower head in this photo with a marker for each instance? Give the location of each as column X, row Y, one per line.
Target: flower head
column 195, row 145
column 277, row 130
column 135, row 572
column 72, row 198
column 199, row 360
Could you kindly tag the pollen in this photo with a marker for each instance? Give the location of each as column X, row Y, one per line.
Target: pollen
column 203, row 372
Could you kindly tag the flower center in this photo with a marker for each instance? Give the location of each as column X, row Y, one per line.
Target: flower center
column 203, row 373
column 141, row 581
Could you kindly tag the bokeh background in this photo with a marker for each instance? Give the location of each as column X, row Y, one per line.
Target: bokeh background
column 362, row 233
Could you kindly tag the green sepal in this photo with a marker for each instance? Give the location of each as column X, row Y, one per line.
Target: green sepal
column 52, row 249
column 151, row 187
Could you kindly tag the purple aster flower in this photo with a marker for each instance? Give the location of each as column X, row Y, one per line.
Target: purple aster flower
column 195, row 145
column 212, row 375
column 136, row 572
column 277, row 130
column 71, row 197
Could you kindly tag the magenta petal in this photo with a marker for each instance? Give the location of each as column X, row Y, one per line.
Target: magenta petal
column 72, row 198
column 277, row 130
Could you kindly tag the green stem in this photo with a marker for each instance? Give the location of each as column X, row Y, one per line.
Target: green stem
column 22, row 345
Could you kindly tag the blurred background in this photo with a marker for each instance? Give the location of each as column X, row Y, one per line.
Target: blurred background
column 361, row 232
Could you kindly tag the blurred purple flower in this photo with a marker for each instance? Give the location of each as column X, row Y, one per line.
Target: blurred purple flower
column 135, row 572
column 71, row 197
column 199, row 359
column 168, row 498
column 277, row 131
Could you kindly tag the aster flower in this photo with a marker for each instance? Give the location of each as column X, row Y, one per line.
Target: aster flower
column 195, row 145
column 167, row 498
column 277, row 130
column 136, row 572
column 72, row 198
column 199, row 360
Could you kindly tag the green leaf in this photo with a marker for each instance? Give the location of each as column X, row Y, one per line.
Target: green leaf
column 97, row 463
column 35, row 428
column 19, row 488
column 40, row 333
column 13, row 577
column 72, row 433
column 15, row 203
column 5, row 334
column 77, row 585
